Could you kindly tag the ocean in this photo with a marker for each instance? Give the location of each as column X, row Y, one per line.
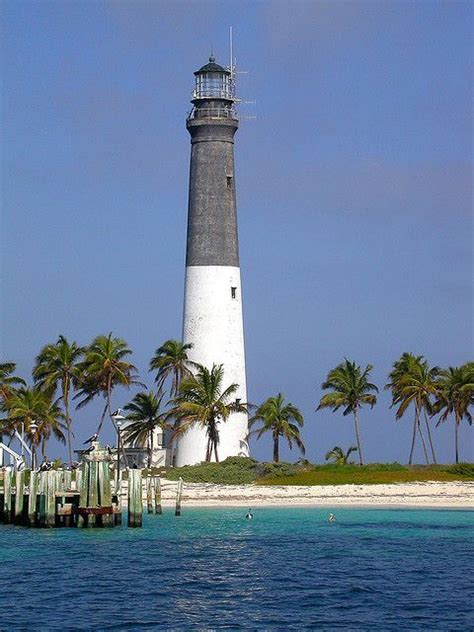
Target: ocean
column 211, row 569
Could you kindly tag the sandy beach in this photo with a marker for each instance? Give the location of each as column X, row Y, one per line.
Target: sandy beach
column 424, row 494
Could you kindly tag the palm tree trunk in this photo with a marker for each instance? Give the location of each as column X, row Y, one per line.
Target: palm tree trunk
column 430, row 438
column 150, row 449
column 356, row 425
column 215, row 452
column 423, row 442
column 43, row 448
column 208, row 450
column 276, row 447
column 413, row 439
column 101, row 423
column 175, row 385
column 456, row 437
column 68, row 419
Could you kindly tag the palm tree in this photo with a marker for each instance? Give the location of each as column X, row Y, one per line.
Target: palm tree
column 412, row 381
column 57, row 366
column 171, row 360
column 8, row 385
column 282, row 420
column 455, row 396
column 146, row 416
column 340, row 457
column 104, row 368
column 8, row 382
column 203, row 401
column 41, row 416
column 350, row 388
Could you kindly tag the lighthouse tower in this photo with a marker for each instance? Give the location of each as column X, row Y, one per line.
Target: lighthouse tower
column 213, row 297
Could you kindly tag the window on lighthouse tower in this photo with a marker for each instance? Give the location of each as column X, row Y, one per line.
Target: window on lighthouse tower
column 233, row 292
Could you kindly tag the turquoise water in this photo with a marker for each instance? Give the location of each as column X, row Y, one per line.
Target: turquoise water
column 211, row 569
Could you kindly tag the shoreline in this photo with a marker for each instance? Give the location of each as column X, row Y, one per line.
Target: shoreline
column 427, row 495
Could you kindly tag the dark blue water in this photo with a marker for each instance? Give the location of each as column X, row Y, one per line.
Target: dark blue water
column 288, row 569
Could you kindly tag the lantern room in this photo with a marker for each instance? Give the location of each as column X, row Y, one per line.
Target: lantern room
column 213, row 82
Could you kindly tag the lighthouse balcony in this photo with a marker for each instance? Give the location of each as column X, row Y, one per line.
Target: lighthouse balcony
column 212, row 113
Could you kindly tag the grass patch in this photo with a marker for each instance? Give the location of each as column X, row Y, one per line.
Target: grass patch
column 376, row 474
column 242, row 471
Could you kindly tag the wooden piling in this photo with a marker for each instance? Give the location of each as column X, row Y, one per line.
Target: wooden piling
column 117, row 506
column 158, row 509
column 93, row 491
column 19, row 496
column 67, row 480
column 33, row 490
column 117, row 500
column 135, row 502
column 150, row 496
column 105, row 492
column 82, row 475
column 50, row 494
column 179, row 492
column 78, row 479
column 7, row 496
column 41, row 514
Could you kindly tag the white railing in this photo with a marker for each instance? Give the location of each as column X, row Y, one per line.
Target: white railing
column 14, row 456
column 197, row 113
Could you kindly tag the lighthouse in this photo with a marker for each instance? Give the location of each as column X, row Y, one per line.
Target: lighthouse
column 212, row 319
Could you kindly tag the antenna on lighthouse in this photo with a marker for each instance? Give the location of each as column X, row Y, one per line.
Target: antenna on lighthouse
column 233, row 72
column 232, row 60
column 231, row 45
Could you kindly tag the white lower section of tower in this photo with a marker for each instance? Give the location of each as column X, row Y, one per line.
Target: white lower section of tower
column 213, row 323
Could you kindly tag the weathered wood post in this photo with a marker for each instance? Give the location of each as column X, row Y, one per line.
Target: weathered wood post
column 64, row 501
column 117, row 499
column 58, row 480
column 179, row 492
column 117, row 505
column 67, row 480
column 78, row 477
column 7, row 496
column 150, row 496
column 84, row 491
column 158, row 495
column 19, row 496
column 50, row 493
column 135, row 501
column 41, row 516
column 105, row 493
column 93, row 492
column 33, row 490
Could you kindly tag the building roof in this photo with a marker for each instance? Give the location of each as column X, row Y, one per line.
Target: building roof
column 212, row 67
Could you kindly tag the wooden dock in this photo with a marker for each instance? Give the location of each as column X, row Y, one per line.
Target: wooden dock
column 86, row 498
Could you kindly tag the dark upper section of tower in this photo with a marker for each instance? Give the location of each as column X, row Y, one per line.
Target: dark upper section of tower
column 211, row 66
column 212, row 216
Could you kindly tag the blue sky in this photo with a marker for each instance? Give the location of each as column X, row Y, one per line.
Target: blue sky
column 354, row 189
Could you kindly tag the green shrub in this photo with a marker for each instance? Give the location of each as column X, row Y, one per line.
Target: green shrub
column 277, row 469
column 463, row 469
column 235, row 470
